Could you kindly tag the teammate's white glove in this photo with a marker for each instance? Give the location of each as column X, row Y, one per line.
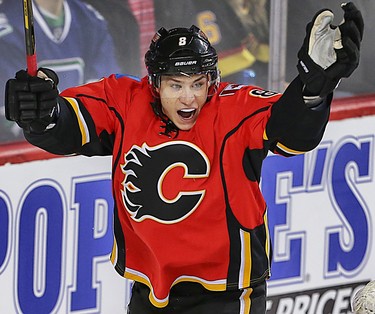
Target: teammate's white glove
column 330, row 52
column 364, row 300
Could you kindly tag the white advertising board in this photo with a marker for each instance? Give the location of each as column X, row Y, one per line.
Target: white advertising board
column 321, row 215
column 56, row 236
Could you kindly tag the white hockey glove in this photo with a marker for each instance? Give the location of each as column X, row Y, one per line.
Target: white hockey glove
column 364, row 300
column 329, row 52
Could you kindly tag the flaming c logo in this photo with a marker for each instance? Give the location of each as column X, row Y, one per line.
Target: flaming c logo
column 145, row 169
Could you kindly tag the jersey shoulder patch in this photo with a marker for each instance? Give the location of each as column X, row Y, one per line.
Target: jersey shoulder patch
column 231, row 89
column 262, row 93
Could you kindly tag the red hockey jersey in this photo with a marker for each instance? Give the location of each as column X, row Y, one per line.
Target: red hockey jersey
column 187, row 207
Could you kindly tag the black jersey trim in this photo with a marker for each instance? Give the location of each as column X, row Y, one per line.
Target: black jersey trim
column 234, row 227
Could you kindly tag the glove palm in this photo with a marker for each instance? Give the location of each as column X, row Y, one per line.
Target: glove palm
column 330, row 52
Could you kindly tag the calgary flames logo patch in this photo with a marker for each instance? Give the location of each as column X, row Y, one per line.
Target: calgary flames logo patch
column 144, row 189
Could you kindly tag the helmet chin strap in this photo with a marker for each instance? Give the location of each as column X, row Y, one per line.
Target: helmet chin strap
column 168, row 127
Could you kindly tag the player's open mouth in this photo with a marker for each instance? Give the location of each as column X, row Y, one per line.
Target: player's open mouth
column 187, row 113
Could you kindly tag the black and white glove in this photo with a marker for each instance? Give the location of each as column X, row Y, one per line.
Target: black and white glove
column 329, row 52
column 31, row 101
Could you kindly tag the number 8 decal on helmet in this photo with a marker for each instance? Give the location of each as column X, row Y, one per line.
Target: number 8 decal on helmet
column 182, row 41
column 181, row 51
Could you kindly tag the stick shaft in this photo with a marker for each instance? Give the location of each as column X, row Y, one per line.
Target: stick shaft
column 31, row 60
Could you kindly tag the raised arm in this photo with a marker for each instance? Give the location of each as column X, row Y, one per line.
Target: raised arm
column 47, row 119
column 328, row 54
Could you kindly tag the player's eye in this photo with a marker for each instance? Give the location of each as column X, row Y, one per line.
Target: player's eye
column 199, row 84
column 176, row 87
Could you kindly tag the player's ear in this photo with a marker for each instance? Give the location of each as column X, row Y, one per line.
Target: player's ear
column 209, row 78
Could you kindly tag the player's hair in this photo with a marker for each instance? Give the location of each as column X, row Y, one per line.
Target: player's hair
column 181, row 51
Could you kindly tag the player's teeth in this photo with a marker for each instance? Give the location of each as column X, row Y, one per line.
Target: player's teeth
column 186, row 113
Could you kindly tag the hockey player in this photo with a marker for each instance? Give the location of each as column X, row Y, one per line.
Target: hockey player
column 189, row 218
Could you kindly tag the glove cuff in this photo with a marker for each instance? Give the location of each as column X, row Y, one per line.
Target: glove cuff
column 43, row 124
column 316, row 81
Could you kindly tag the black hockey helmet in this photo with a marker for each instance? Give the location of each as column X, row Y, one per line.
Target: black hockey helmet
column 181, row 51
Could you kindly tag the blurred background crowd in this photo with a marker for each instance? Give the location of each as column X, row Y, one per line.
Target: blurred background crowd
column 84, row 40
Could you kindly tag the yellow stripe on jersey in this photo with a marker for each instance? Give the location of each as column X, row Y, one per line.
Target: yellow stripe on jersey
column 139, row 277
column 283, row 147
column 267, row 245
column 265, row 137
column 85, row 135
column 236, row 62
column 216, row 285
column 114, row 252
column 288, row 150
column 245, row 301
column 246, row 261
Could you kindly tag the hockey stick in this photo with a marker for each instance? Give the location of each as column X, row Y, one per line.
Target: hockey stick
column 31, row 62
